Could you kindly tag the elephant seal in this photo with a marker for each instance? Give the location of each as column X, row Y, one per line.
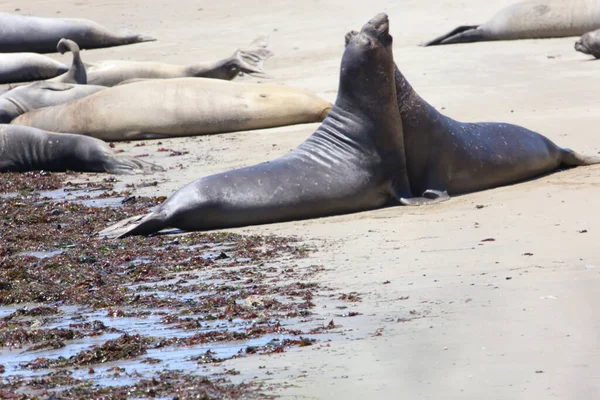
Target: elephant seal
column 75, row 73
column 589, row 43
column 39, row 35
column 112, row 73
column 159, row 108
column 352, row 162
column 29, row 149
column 445, row 156
column 23, row 67
column 536, row 19
column 40, row 94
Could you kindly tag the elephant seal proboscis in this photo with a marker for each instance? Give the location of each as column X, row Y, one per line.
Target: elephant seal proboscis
column 589, row 43
column 352, row 162
column 159, row 108
column 41, row 94
column 113, row 72
column 39, row 35
column 24, row 67
column 29, row 149
column 536, row 19
column 445, row 156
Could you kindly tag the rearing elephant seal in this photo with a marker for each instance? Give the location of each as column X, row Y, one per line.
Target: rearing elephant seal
column 179, row 107
column 28, row 149
column 39, row 35
column 536, row 19
column 447, row 156
column 113, row 72
column 354, row 161
column 589, row 43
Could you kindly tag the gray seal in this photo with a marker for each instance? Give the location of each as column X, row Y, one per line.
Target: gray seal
column 535, row 19
column 39, row 95
column 589, row 43
column 353, row 162
column 24, row 67
column 29, row 149
column 445, row 156
column 40, row 35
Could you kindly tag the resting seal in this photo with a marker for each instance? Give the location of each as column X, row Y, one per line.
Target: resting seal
column 29, row 149
column 354, row 161
column 589, row 43
column 40, row 94
column 447, row 156
column 39, row 35
column 536, row 19
column 24, row 67
column 250, row 61
column 179, row 107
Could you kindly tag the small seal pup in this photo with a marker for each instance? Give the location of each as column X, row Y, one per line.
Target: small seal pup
column 29, row 149
column 533, row 19
column 20, row 33
column 113, row 72
column 352, row 162
column 589, row 43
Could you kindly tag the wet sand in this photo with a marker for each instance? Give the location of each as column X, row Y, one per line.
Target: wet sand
column 513, row 318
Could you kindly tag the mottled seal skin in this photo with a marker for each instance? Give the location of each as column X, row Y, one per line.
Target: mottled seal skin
column 41, row 94
column 28, row 149
column 352, row 162
column 40, row 35
column 589, row 43
column 24, row 67
column 159, row 108
column 445, row 156
column 249, row 61
column 535, row 19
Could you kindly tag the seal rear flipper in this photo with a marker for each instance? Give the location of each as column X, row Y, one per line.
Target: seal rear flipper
column 77, row 72
column 251, row 61
column 571, row 158
column 138, row 225
column 429, row 197
column 123, row 165
column 462, row 34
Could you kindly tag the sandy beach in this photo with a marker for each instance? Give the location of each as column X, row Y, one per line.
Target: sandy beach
column 491, row 295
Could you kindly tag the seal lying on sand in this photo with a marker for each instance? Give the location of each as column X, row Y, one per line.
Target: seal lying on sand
column 39, row 35
column 179, row 107
column 29, row 149
column 446, row 156
column 535, row 19
column 354, row 161
column 23, row 67
column 74, row 74
column 589, row 43
column 250, row 60
column 41, row 94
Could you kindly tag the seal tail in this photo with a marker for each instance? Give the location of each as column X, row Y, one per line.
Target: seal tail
column 77, row 73
column 573, row 159
column 137, row 225
column 252, row 59
column 124, row 165
column 462, row 34
column 142, row 38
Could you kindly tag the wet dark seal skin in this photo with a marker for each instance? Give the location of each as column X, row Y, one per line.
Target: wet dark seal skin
column 23, row 148
column 447, row 156
column 20, row 33
column 353, row 162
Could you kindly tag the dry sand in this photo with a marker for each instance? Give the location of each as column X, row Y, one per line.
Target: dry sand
column 486, row 320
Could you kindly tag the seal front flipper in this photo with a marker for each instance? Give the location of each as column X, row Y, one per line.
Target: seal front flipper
column 124, row 165
column 462, row 34
column 429, row 197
